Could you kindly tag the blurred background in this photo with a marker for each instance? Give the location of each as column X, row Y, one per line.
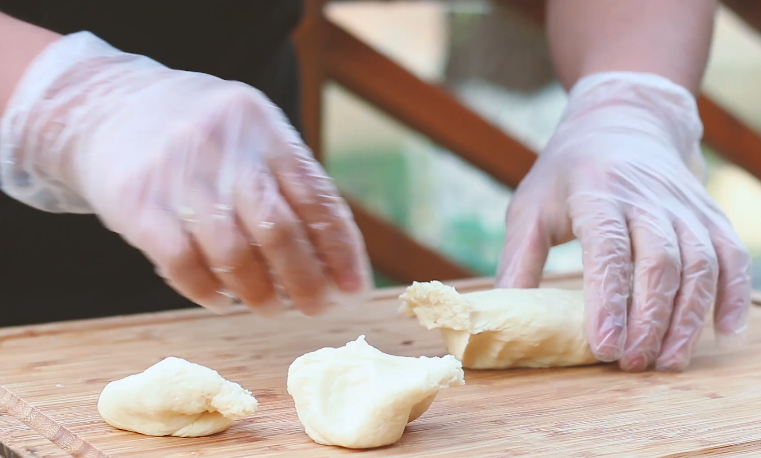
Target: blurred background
column 495, row 61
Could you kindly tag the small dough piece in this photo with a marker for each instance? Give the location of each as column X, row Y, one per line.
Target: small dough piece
column 359, row 397
column 175, row 398
column 504, row 328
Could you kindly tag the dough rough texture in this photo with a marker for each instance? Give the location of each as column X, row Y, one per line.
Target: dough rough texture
column 359, row 397
column 175, row 398
column 504, row 328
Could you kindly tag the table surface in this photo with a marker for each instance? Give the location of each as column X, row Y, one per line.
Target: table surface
column 713, row 409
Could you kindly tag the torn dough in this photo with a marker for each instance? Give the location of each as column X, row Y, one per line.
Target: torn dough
column 175, row 398
column 359, row 397
column 504, row 328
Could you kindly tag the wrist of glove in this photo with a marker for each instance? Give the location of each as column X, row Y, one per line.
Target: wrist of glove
column 51, row 107
column 643, row 103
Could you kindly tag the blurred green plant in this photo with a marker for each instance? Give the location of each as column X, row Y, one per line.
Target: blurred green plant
column 472, row 244
column 378, row 179
column 381, row 281
column 381, row 181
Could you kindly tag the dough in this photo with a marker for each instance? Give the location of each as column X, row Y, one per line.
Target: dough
column 175, row 398
column 504, row 328
column 359, row 397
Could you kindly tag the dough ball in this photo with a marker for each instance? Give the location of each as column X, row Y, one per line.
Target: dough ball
column 359, row 397
column 175, row 398
column 504, row 328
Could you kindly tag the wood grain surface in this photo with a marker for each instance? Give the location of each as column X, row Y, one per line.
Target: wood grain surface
column 713, row 409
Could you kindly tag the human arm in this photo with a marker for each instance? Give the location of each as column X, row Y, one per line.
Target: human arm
column 206, row 177
column 670, row 38
column 622, row 173
column 20, row 43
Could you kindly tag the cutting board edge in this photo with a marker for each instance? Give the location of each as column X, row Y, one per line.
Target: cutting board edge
column 9, row 449
column 200, row 313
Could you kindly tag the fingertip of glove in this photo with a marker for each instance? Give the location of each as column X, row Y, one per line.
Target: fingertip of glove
column 610, row 340
column 635, row 363
column 221, row 303
column 269, row 308
column 607, row 353
column 348, row 300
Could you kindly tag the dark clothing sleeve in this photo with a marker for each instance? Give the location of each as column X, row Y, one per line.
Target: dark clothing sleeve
column 59, row 267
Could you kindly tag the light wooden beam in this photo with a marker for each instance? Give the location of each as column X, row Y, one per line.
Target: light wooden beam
column 424, row 107
column 310, row 47
column 748, row 10
column 731, row 138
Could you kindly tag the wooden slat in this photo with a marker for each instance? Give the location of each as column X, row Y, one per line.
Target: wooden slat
column 748, row 10
column 534, row 10
column 727, row 131
column 309, row 40
column 424, row 107
column 400, row 257
column 728, row 136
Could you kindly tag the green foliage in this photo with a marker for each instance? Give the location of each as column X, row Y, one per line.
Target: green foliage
column 378, row 179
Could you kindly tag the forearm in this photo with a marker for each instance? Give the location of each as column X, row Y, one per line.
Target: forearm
column 670, row 38
column 20, row 43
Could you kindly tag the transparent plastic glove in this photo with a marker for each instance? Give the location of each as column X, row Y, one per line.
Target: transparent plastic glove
column 206, row 177
column 623, row 174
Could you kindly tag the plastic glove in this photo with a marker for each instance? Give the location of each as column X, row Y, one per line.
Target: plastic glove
column 657, row 250
column 206, row 177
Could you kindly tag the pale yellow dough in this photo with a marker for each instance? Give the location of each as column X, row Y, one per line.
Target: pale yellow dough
column 356, row 396
column 504, row 328
column 175, row 398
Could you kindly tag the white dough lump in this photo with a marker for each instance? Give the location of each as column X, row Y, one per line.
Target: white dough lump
column 359, row 397
column 504, row 328
column 175, row 398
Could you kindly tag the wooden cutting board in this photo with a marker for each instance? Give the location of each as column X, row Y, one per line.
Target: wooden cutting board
column 714, row 409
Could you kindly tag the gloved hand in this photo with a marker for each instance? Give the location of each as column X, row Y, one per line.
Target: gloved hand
column 206, row 177
column 623, row 173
